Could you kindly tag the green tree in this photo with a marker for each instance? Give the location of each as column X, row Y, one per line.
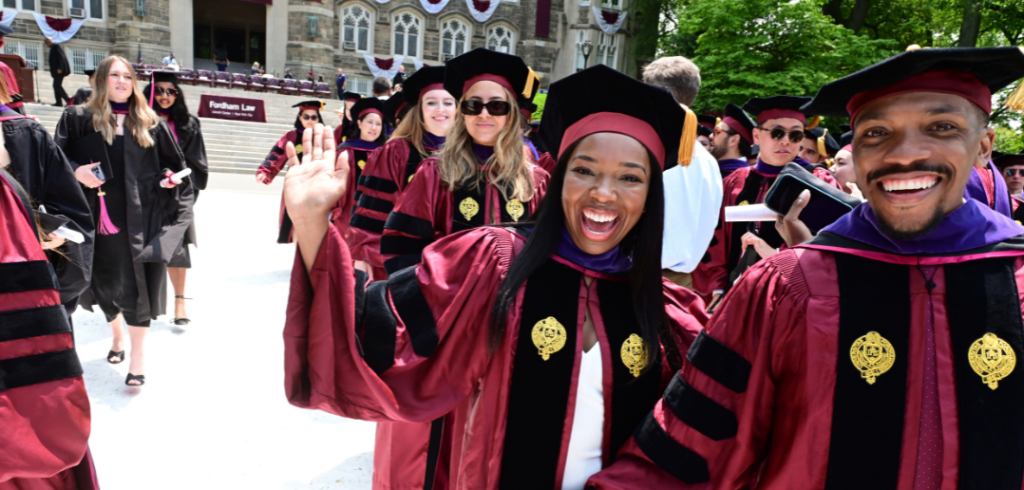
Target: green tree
column 765, row 47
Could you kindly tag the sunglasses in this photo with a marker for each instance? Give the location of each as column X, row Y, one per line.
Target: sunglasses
column 1013, row 172
column 168, row 92
column 476, row 107
column 307, row 117
column 779, row 133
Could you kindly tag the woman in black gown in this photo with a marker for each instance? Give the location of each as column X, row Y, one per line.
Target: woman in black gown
column 140, row 223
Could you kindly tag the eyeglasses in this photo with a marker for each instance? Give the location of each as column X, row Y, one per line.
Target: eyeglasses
column 779, row 133
column 168, row 92
column 728, row 132
column 1013, row 172
column 307, row 117
column 473, row 107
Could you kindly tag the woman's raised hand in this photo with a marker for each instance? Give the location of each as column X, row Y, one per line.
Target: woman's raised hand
column 314, row 185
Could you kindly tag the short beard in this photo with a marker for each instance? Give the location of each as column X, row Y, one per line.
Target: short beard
column 905, row 235
column 718, row 152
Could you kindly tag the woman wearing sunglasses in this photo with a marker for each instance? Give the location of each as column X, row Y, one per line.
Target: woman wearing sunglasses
column 167, row 99
column 420, row 135
column 780, row 129
column 308, row 117
column 141, row 220
column 366, row 134
column 546, row 344
column 483, row 175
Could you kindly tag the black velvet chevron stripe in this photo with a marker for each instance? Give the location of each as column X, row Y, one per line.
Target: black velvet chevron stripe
column 433, row 451
column 380, row 329
column 982, row 298
column 695, row 409
column 410, row 225
column 378, row 184
column 673, row 458
column 751, row 187
column 39, row 368
column 719, row 362
column 538, row 396
column 360, row 290
column 867, row 418
column 395, row 264
column 366, row 223
column 402, row 245
column 33, row 322
column 413, row 309
column 32, row 275
column 286, row 228
column 375, row 204
column 413, row 162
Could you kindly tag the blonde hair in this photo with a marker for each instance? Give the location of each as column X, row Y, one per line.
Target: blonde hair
column 508, row 170
column 140, row 119
column 411, row 129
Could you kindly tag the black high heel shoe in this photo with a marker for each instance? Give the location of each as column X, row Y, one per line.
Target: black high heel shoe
column 131, row 377
column 180, row 321
column 115, row 355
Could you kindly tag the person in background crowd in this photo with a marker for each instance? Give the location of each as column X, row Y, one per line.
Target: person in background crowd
column 1011, row 167
column 365, row 135
column 482, row 176
column 693, row 189
column 307, row 118
column 220, row 58
column 339, row 84
column 141, row 222
column 419, row 136
column 884, row 353
column 399, row 77
column 171, row 63
column 985, row 186
column 818, row 147
column 381, row 88
column 733, row 137
column 256, row 70
column 345, row 115
column 59, row 68
column 288, row 74
column 545, row 344
column 779, row 131
column 705, row 130
column 12, row 80
column 45, row 416
column 168, row 100
column 82, row 95
column 310, row 76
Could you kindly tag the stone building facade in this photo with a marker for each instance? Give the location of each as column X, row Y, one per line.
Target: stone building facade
column 323, row 36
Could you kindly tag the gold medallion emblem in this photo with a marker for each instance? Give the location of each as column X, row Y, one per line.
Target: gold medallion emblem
column 872, row 355
column 743, row 203
column 468, row 207
column 515, row 209
column 634, row 354
column 362, row 164
column 992, row 358
column 298, row 149
column 549, row 337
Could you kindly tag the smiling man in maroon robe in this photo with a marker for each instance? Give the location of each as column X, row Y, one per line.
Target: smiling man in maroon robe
column 884, row 353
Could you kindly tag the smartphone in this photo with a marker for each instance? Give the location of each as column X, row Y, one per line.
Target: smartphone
column 98, row 172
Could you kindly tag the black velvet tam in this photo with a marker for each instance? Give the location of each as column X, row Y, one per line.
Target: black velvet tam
column 831, row 145
column 758, row 105
column 482, row 61
column 424, row 77
column 367, row 103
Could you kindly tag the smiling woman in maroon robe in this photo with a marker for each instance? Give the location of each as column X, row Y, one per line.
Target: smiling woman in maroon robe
column 547, row 342
column 885, row 353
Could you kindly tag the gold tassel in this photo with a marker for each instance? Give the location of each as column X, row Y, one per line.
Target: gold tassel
column 814, row 123
column 688, row 138
column 528, row 89
column 829, row 162
column 821, row 144
column 1016, row 99
column 717, row 122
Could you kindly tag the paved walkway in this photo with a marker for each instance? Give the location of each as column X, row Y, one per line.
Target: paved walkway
column 213, row 413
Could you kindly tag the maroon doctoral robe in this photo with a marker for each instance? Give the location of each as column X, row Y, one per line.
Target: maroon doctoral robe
column 272, row 165
column 843, row 364
column 44, row 410
column 428, row 210
column 743, row 186
column 417, row 347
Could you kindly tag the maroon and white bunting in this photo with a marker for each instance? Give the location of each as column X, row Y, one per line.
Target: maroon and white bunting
column 384, row 68
column 482, row 10
column 418, row 64
column 434, row 6
column 7, row 17
column 608, row 20
column 59, row 30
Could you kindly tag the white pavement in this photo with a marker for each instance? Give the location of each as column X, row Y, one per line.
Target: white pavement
column 213, row 414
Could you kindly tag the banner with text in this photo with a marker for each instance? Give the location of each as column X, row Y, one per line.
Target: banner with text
column 236, row 108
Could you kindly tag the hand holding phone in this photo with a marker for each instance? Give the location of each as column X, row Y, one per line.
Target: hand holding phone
column 90, row 175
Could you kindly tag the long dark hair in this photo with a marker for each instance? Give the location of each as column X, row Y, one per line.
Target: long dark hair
column 643, row 242
column 298, row 119
column 355, row 133
column 179, row 111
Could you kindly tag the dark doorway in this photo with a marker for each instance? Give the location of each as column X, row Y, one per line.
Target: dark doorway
column 230, row 43
column 232, row 29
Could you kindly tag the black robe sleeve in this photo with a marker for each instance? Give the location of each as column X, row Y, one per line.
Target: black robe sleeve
column 75, row 123
column 194, row 148
column 175, row 203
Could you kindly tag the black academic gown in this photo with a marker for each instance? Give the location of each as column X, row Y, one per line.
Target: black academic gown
column 158, row 218
column 190, row 140
column 45, row 173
